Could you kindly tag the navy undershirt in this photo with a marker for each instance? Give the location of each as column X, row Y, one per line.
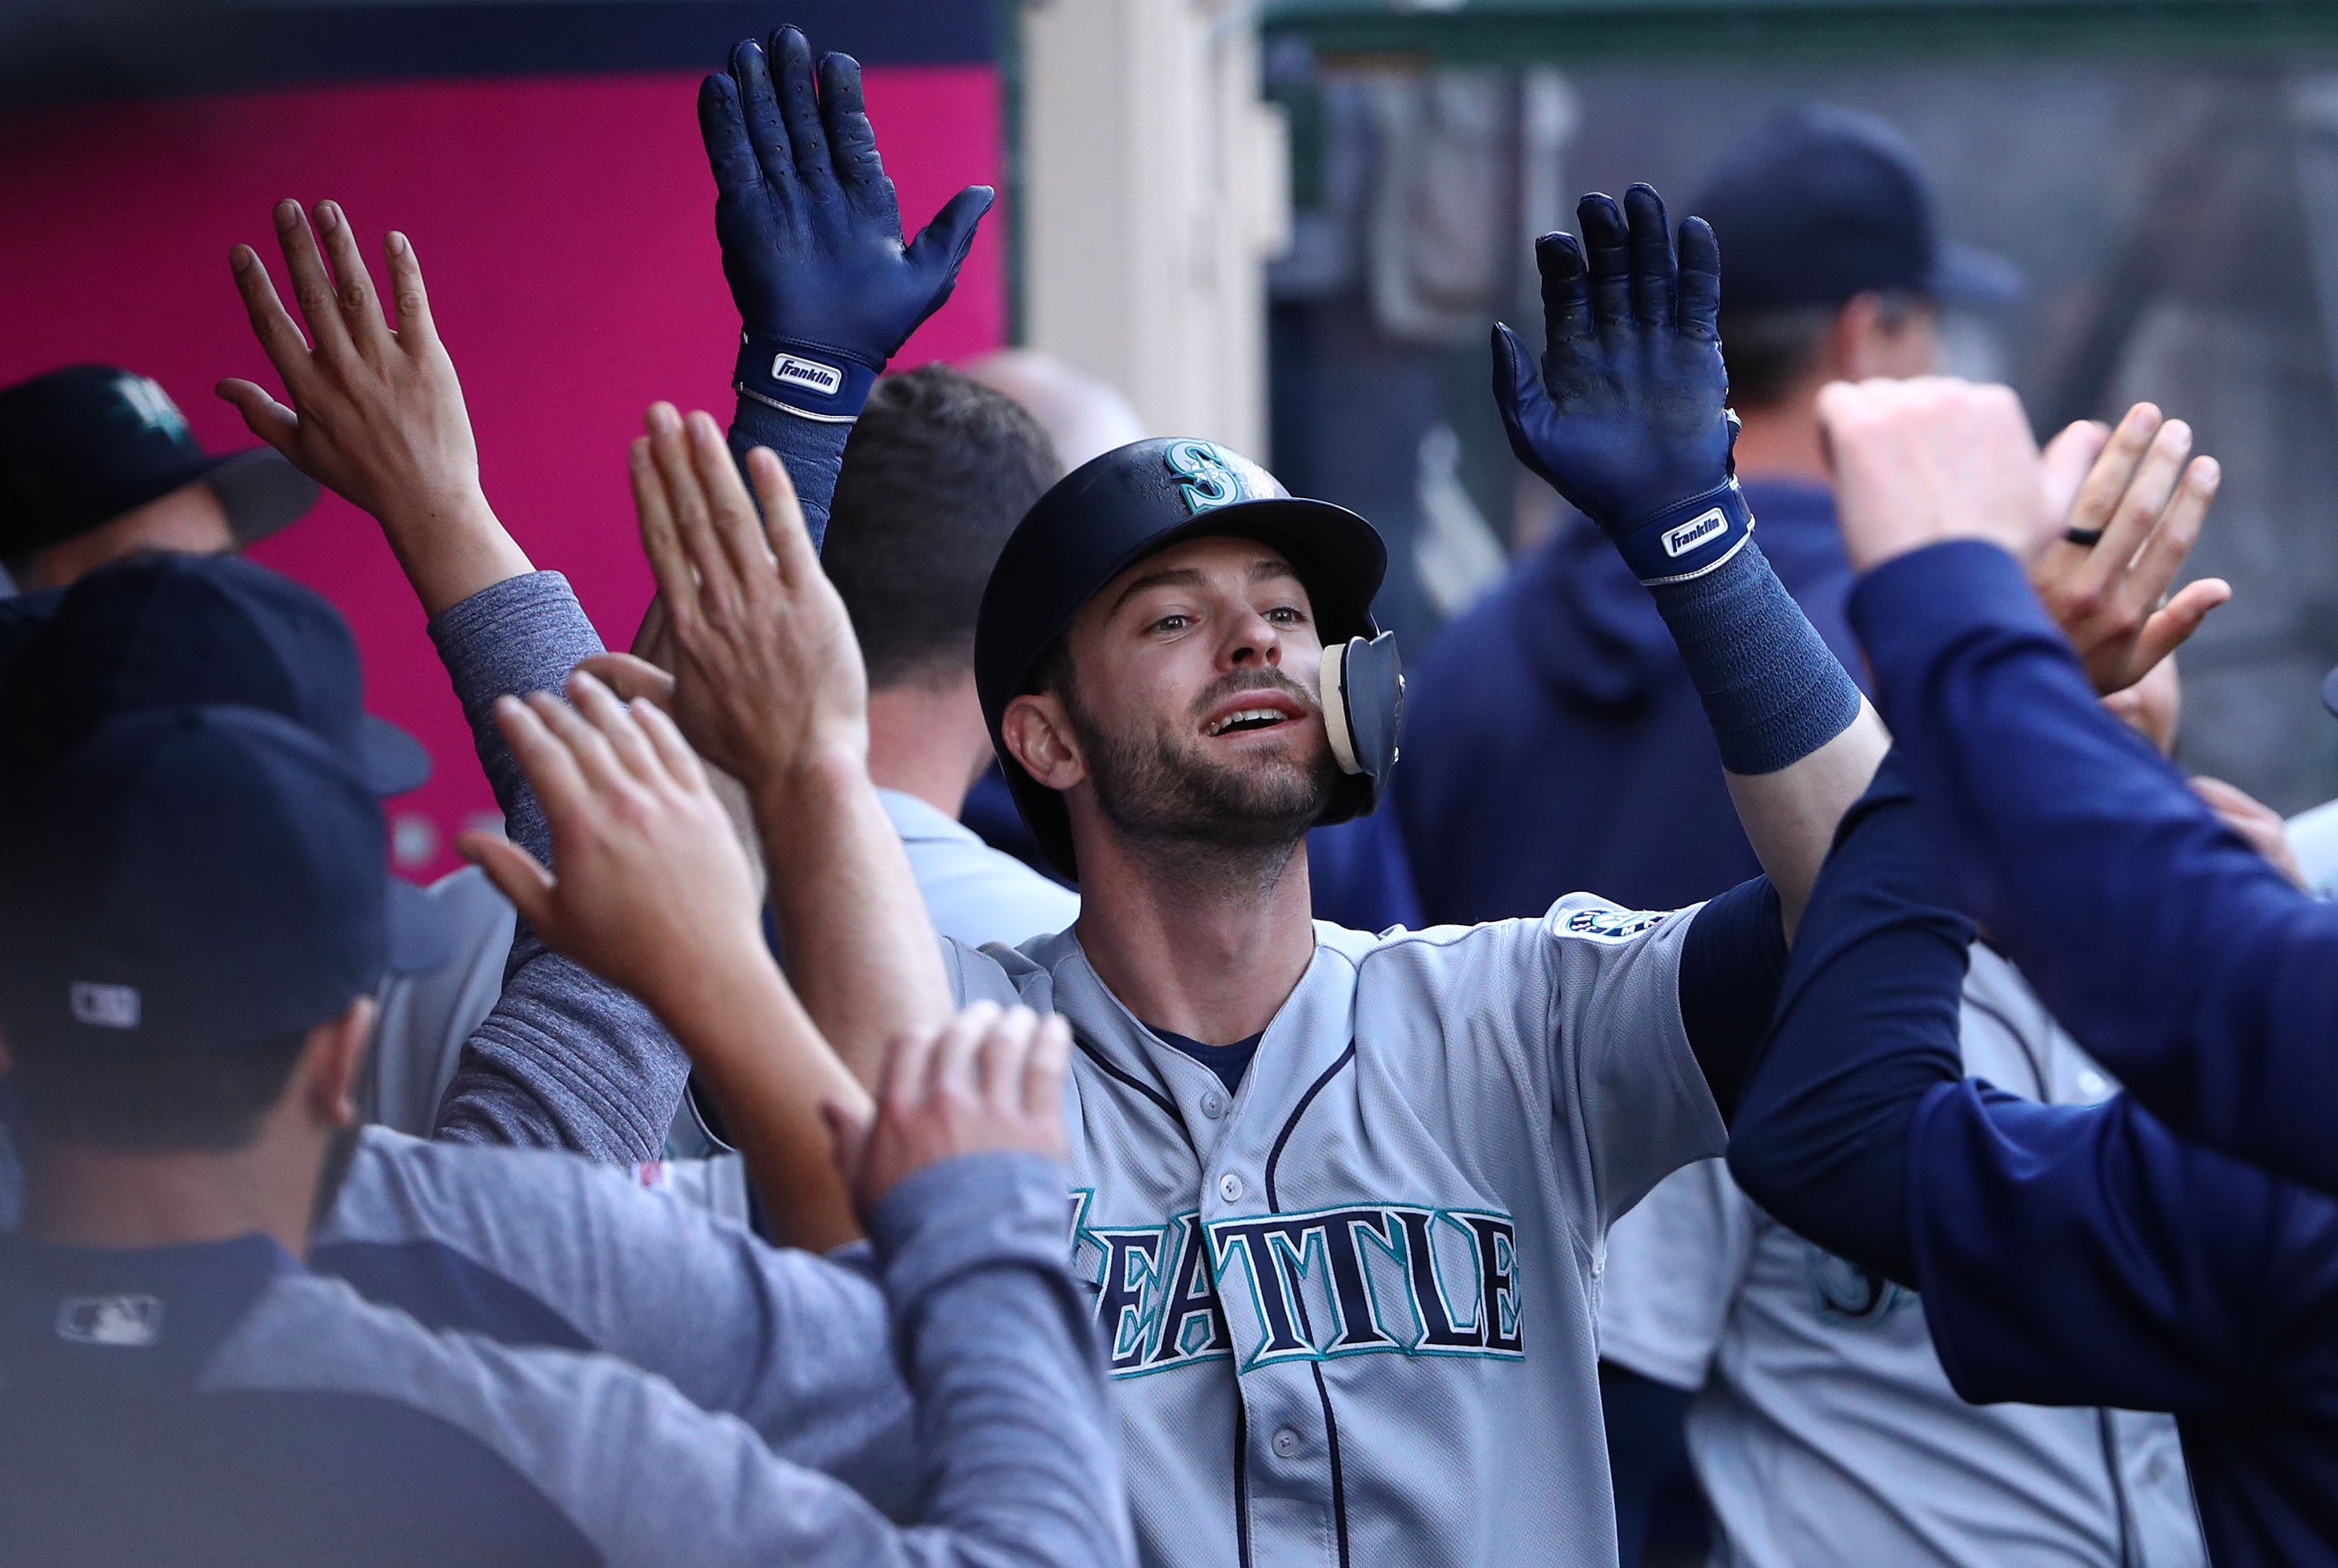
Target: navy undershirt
column 1228, row 1061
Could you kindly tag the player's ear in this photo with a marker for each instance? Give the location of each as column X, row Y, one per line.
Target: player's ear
column 327, row 1079
column 1038, row 735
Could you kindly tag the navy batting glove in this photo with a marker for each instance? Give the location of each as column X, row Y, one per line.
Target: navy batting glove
column 811, row 229
column 1627, row 416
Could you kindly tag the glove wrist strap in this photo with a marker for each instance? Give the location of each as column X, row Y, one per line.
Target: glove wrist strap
column 1687, row 539
column 805, row 379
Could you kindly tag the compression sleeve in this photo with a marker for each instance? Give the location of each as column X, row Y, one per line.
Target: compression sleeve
column 1731, row 963
column 1866, row 1026
column 2205, row 981
column 812, row 450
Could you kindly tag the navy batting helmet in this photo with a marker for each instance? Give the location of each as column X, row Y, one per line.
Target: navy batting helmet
column 1134, row 501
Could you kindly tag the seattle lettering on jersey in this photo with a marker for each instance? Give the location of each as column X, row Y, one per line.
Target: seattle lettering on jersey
column 1359, row 1279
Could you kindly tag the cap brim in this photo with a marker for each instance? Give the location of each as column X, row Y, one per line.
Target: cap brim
column 419, row 938
column 1965, row 275
column 261, row 492
column 1336, row 553
column 394, row 761
column 2329, row 693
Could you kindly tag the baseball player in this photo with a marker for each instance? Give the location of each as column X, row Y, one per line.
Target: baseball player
column 1343, row 1197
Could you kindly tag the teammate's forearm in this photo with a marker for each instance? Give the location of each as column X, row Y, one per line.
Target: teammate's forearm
column 770, row 1070
column 2205, row 980
column 812, row 450
column 450, row 547
column 1867, row 1026
column 857, row 942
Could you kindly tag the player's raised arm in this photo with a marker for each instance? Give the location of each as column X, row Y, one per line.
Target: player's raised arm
column 768, row 683
column 378, row 415
column 2183, row 963
column 1626, row 416
column 827, row 287
column 655, row 894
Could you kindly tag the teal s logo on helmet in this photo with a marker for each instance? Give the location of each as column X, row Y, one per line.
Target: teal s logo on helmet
column 1211, row 476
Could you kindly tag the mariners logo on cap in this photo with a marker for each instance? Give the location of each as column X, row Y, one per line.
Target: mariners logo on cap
column 152, row 405
column 1213, row 476
column 128, row 1322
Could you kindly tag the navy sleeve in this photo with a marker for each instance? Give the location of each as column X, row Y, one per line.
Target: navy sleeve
column 811, row 449
column 2207, row 983
column 1866, row 1026
column 1732, row 962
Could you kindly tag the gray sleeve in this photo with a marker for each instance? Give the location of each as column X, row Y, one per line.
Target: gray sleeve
column 796, row 1344
column 564, row 1061
column 1674, row 1265
column 1020, row 1465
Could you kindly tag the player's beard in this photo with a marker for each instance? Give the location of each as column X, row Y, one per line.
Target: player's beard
column 1164, row 790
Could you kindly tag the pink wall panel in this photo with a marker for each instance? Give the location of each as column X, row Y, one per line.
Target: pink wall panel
column 566, row 228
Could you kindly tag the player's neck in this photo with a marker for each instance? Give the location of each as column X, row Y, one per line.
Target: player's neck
column 928, row 741
column 1209, row 955
column 1782, row 441
column 77, row 1195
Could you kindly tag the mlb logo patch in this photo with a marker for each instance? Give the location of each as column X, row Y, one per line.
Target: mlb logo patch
column 792, row 370
column 105, row 1006
column 123, row 1322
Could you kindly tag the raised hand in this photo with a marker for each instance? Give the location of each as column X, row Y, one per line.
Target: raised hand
column 1626, row 416
column 810, row 227
column 377, row 413
column 2132, row 517
column 767, row 676
column 1916, row 462
column 986, row 1081
column 653, row 891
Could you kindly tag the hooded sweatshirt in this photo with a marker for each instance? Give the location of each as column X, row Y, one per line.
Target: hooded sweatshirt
column 1554, row 743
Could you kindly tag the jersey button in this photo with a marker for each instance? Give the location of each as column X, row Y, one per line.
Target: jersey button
column 1286, row 1443
column 1214, row 1105
column 1230, row 1187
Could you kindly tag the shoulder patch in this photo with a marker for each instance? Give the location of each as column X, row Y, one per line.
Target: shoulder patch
column 1610, row 924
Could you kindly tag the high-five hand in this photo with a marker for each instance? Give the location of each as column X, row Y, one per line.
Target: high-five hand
column 377, row 414
column 810, row 227
column 1627, row 417
column 2130, row 524
column 767, row 677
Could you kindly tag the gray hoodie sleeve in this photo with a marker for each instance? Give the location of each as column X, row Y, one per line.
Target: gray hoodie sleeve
column 564, row 1061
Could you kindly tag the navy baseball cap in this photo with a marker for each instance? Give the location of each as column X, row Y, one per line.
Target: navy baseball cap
column 162, row 631
column 83, row 444
column 1816, row 204
column 203, row 877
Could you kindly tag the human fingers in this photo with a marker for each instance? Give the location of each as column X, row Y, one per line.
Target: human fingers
column 677, row 583
column 672, row 747
column 1699, row 311
column 751, row 75
column 730, row 514
column 266, row 418
column 903, row 1085
column 517, row 874
column 1044, row 1069
column 851, row 140
column 2257, row 823
column 784, row 530
column 1607, row 248
column 943, row 243
column 710, row 586
column 2170, row 545
column 615, row 720
column 951, row 1071
column 1565, row 292
column 2172, row 626
column 789, row 53
column 632, row 677
column 1518, row 395
column 2068, row 459
column 353, row 282
column 417, row 327
column 279, row 336
column 543, row 757
column 2106, row 480
column 598, row 770
column 2147, row 494
column 312, row 286
column 999, row 1058
column 1655, row 273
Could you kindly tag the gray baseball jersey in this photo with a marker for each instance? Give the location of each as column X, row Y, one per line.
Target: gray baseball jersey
column 1350, row 1306
column 1823, row 1429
